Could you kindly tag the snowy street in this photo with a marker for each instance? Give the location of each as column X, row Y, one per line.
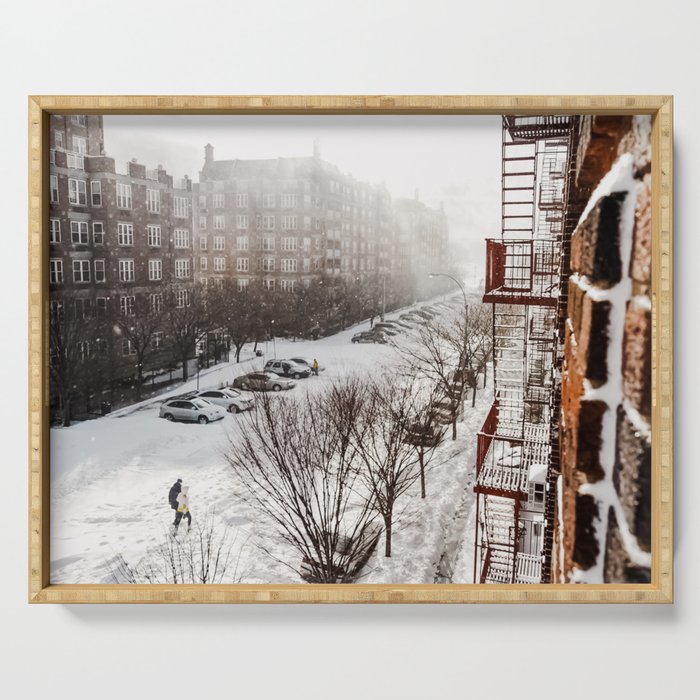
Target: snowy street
column 113, row 500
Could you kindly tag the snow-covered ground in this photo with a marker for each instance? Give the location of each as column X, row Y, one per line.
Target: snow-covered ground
column 110, row 477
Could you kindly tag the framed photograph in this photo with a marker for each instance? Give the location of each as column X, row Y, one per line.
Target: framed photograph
column 352, row 349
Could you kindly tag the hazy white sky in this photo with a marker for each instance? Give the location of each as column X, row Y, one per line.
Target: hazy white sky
column 449, row 159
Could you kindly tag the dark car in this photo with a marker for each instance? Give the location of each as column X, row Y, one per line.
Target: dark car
column 262, row 381
column 370, row 337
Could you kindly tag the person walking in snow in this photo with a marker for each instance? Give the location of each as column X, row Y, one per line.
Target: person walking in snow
column 314, row 367
column 173, row 494
column 183, row 509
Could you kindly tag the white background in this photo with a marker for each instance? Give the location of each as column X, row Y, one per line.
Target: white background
column 345, row 652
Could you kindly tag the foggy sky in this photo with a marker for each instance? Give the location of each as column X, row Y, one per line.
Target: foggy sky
column 450, row 159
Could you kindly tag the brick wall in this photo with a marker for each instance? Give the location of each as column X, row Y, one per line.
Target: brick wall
column 604, row 505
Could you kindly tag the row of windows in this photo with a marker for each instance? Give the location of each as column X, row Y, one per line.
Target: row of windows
column 263, row 223
column 82, row 270
column 78, row 195
column 268, row 201
column 125, row 234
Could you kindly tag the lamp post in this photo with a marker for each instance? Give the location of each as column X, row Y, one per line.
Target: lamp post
column 199, row 366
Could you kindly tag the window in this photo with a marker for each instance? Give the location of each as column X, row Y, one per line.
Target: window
column 202, row 201
column 242, row 284
column 101, row 307
column 203, row 263
column 96, row 193
column 538, row 493
column 79, row 119
column 289, row 222
column 202, row 242
column 157, row 340
column 182, row 298
column 242, row 243
column 268, row 201
column 123, row 195
column 219, row 264
column 54, row 231
column 182, row 238
column 75, row 161
column 219, row 222
column 289, row 201
column 307, row 264
column 84, row 350
column 81, row 271
column 155, row 269
column 202, row 222
column 537, row 530
column 269, row 285
column 242, row 200
column 287, row 285
column 267, row 223
column 127, row 305
column 79, row 232
column 242, row 221
column 268, row 243
column 180, row 208
column 126, row 270
column 53, row 189
column 125, row 234
column 268, row 264
column 289, row 265
column 289, row 244
column 242, row 264
column 218, row 201
column 219, row 243
column 56, row 271
column 98, row 233
column 182, row 268
column 153, row 201
column 127, row 347
column 77, row 194
column 52, row 156
column 80, row 145
column 156, row 303
column 100, row 271
column 153, row 236
column 58, row 139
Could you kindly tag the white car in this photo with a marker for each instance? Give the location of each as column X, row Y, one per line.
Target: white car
column 194, row 410
column 230, row 399
column 304, row 362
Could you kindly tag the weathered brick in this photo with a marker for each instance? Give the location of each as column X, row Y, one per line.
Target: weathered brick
column 586, row 549
column 593, row 339
column 589, row 439
column 637, row 141
column 636, row 357
column 632, row 478
column 574, row 306
column 599, row 139
column 617, row 567
column 595, row 245
column 640, row 263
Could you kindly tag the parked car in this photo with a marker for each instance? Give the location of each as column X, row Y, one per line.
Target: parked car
column 262, row 381
column 403, row 323
column 304, row 362
column 370, row 337
column 230, row 399
column 426, row 315
column 194, row 410
column 288, row 368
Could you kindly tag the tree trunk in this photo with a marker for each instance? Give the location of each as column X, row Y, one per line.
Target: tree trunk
column 485, row 373
column 454, row 425
column 474, row 395
column 238, row 352
column 185, row 376
column 66, row 413
column 139, row 380
column 421, row 461
column 387, row 536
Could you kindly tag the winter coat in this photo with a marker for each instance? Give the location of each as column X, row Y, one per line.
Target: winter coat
column 315, row 365
column 173, row 493
column 183, row 501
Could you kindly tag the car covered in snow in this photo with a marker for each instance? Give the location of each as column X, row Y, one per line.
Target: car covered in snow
column 193, row 410
column 370, row 337
column 263, row 381
column 387, row 327
column 230, row 399
column 288, row 368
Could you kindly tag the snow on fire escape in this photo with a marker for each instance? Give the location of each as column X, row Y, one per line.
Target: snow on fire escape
column 523, row 272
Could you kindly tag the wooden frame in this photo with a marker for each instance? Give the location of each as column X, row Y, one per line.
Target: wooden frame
column 660, row 590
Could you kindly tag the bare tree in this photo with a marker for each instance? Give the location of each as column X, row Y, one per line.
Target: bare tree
column 383, row 441
column 205, row 555
column 296, row 460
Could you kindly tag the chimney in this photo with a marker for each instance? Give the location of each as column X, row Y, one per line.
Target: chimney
column 208, row 153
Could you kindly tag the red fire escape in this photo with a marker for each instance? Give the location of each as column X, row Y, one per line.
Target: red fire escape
column 523, row 271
